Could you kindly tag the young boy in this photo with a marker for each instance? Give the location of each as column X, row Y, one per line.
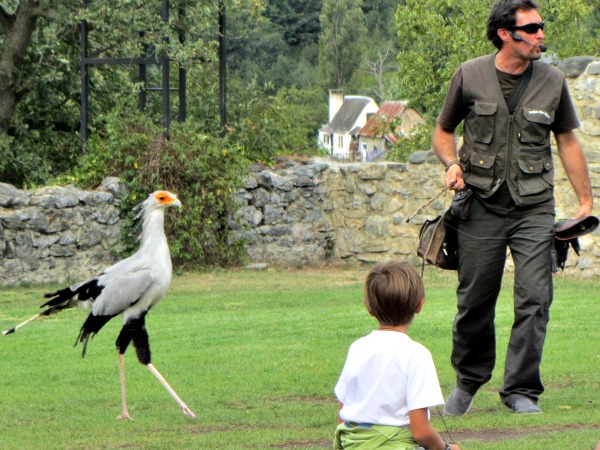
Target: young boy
column 389, row 381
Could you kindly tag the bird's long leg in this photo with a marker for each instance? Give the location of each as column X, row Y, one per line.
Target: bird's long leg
column 122, row 343
column 139, row 336
column 124, row 412
column 12, row 330
column 183, row 406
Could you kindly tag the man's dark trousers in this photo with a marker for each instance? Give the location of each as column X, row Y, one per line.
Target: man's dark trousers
column 483, row 241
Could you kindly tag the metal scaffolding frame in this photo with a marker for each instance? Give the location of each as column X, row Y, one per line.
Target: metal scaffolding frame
column 142, row 63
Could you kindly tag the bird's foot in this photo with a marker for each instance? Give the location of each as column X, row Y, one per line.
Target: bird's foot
column 188, row 412
column 124, row 415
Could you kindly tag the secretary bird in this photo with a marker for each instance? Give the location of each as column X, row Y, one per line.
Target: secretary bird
column 130, row 288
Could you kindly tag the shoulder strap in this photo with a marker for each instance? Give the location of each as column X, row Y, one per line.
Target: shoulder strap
column 517, row 92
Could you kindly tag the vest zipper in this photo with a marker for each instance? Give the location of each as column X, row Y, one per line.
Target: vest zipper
column 511, row 123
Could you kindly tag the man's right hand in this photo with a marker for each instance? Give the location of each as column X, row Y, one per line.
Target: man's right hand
column 454, row 179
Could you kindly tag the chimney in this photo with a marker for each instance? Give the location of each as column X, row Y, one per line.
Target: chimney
column 336, row 100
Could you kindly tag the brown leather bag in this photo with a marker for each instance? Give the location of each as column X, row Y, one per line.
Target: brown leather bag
column 566, row 234
column 438, row 242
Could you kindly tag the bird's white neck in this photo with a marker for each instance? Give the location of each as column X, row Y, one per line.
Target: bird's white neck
column 153, row 230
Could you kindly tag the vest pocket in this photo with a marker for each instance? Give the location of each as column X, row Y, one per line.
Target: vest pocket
column 482, row 128
column 536, row 126
column 479, row 166
column 536, row 170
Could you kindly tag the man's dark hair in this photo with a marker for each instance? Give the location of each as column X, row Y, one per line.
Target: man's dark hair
column 503, row 15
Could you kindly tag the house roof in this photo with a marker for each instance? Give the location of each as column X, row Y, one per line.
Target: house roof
column 348, row 114
column 388, row 111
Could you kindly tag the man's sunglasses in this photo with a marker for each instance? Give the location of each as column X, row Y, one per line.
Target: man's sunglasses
column 531, row 28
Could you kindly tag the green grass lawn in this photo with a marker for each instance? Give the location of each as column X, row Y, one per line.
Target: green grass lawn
column 256, row 356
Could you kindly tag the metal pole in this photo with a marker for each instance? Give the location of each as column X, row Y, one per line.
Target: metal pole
column 85, row 94
column 182, row 94
column 166, row 97
column 142, row 70
column 182, row 75
column 222, row 67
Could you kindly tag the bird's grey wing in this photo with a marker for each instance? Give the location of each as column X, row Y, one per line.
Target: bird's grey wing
column 122, row 288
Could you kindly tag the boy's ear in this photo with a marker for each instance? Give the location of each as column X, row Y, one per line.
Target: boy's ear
column 420, row 306
column 368, row 309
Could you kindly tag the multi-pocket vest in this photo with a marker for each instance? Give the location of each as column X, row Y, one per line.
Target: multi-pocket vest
column 514, row 148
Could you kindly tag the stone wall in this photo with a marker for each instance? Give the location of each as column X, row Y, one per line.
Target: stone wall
column 353, row 213
column 299, row 215
column 329, row 212
column 55, row 234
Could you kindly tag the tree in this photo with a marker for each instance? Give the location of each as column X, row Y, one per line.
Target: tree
column 378, row 66
column 38, row 89
column 342, row 40
column 436, row 36
column 298, row 20
column 279, row 47
column 18, row 25
column 573, row 27
column 379, row 19
column 40, row 60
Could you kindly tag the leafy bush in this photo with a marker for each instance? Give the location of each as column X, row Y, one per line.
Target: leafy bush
column 420, row 141
column 282, row 124
column 32, row 155
column 203, row 170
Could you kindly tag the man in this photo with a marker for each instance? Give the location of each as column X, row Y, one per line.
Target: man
column 506, row 161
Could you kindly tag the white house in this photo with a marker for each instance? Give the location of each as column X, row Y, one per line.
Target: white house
column 347, row 115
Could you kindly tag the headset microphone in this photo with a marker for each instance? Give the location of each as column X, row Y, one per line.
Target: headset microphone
column 517, row 38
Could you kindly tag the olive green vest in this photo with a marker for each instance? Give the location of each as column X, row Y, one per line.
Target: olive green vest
column 499, row 147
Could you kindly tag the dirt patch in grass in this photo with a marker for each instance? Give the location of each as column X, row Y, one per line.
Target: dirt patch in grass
column 313, row 444
column 225, row 429
column 500, row 435
column 492, row 435
column 306, row 399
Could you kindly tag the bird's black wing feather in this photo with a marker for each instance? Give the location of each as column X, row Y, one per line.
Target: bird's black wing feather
column 69, row 296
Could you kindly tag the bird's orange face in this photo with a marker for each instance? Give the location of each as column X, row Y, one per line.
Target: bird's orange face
column 167, row 199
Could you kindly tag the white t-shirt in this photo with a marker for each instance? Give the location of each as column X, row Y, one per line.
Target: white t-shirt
column 385, row 376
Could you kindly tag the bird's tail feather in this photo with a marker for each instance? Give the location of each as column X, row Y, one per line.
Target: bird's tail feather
column 90, row 328
column 47, row 312
column 65, row 298
column 12, row 330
